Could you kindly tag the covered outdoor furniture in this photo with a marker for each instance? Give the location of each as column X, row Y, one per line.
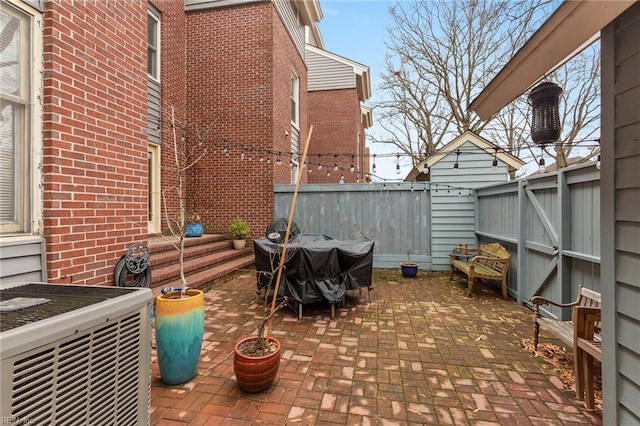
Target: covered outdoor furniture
column 317, row 268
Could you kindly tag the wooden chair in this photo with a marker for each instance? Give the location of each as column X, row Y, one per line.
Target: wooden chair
column 586, row 348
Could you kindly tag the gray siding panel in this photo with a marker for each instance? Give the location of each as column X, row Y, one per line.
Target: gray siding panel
column 629, row 391
column 22, row 261
column 286, row 9
column 328, row 74
column 154, row 108
column 453, row 203
column 621, row 218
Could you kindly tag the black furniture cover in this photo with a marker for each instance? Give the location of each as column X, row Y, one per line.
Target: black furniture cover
column 317, row 267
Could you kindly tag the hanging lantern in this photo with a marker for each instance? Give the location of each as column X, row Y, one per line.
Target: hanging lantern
column 545, row 122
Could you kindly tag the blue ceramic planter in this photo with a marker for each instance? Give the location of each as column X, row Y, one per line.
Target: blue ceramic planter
column 193, row 229
column 409, row 269
column 179, row 329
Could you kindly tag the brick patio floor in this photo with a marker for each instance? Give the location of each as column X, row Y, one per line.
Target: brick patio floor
column 420, row 353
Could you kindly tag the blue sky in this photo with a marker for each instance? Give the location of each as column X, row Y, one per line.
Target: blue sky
column 356, row 29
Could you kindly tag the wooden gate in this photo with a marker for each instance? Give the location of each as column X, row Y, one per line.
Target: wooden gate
column 551, row 224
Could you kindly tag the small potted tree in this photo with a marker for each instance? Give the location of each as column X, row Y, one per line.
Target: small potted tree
column 257, row 358
column 179, row 315
column 239, row 231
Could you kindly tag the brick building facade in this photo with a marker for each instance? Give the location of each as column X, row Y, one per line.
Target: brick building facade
column 94, row 156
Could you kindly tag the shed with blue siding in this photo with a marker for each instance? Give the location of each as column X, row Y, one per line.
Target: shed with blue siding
column 452, row 195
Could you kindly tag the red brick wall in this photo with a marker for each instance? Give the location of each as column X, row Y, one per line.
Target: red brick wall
column 239, row 62
column 336, row 119
column 286, row 61
column 94, row 142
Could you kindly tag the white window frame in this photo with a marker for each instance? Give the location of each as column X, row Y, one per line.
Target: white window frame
column 295, row 99
column 154, row 215
column 154, row 16
column 28, row 133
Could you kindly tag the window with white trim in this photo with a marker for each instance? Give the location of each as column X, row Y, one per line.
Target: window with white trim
column 20, row 81
column 153, row 45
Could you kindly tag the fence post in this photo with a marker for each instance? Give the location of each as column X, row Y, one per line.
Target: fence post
column 521, row 248
column 564, row 242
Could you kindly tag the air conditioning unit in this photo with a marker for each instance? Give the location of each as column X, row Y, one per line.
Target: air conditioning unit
column 75, row 355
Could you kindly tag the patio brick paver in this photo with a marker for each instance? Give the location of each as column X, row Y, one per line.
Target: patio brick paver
column 420, row 353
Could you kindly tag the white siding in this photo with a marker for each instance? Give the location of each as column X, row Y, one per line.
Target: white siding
column 22, row 261
column 328, row 74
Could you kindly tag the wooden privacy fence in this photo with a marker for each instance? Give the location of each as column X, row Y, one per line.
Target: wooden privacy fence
column 550, row 223
column 396, row 216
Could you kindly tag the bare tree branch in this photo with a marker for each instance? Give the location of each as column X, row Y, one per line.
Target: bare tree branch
column 440, row 57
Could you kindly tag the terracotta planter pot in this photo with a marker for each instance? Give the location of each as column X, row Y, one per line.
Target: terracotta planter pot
column 179, row 325
column 239, row 244
column 255, row 374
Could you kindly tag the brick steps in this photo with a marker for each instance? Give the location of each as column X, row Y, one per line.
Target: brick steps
column 208, row 259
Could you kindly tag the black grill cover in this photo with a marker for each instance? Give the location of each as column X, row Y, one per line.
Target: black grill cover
column 278, row 228
column 317, row 268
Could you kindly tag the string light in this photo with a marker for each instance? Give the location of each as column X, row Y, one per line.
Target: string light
column 456, row 166
column 276, row 157
column 426, row 165
column 494, row 165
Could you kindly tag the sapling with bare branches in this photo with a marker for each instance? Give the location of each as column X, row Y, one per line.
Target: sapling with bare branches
column 184, row 157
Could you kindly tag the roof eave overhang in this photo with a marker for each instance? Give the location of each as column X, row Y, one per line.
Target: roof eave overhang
column 310, row 11
column 573, row 26
column 367, row 116
column 512, row 161
column 363, row 81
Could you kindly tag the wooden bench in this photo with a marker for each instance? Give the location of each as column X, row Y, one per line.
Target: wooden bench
column 489, row 261
column 582, row 333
